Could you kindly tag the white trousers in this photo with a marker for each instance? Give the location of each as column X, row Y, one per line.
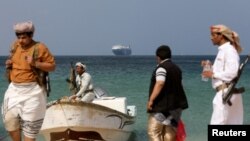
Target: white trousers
column 223, row 114
column 88, row 97
column 24, row 107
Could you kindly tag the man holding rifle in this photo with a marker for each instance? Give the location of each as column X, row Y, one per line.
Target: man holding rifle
column 84, row 84
column 225, row 69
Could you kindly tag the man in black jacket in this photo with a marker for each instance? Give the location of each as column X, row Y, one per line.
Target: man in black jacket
column 167, row 98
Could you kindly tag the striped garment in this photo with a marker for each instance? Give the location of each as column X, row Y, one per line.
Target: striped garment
column 24, row 107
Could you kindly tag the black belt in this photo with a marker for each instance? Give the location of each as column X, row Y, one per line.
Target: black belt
column 91, row 90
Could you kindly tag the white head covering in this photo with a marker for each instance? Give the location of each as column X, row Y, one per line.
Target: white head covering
column 231, row 35
column 24, row 27
column 81, row 65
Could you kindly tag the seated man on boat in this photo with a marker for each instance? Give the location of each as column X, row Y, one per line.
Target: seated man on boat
column 84, row 84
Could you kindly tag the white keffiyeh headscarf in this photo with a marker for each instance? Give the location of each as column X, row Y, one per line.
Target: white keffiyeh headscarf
column 232, row 36
column 81, row 65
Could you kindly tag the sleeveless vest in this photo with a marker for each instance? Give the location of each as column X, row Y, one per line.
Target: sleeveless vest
column 172, row 95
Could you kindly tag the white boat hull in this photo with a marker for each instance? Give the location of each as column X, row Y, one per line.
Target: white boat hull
column 86, row 121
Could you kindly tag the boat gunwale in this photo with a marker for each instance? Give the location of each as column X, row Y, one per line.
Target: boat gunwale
column 81, row 103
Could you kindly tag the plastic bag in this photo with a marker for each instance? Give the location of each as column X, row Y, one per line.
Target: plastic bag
column 181, row 132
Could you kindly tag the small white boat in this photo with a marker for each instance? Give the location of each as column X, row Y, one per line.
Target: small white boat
column 105, row 119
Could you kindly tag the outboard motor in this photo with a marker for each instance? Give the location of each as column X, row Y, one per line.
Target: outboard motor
column 100, row 92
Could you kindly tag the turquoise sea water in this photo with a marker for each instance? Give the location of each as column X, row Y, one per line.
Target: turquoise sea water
column 130, row 77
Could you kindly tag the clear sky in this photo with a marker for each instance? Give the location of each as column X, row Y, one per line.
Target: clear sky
column 92, row 27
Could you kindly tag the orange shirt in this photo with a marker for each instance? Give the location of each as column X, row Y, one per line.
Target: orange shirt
column 21, row 71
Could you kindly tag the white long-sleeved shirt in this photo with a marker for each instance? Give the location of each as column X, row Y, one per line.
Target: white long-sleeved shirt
column 84, row 81
column 226, row 65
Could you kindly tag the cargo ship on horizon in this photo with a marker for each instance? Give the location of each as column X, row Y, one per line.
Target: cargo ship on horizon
column 121, row 50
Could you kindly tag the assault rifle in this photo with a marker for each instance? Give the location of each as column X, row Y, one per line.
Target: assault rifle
column 72, row 80
column 231, row 87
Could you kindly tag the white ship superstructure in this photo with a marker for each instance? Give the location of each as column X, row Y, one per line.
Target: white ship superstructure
column 121, row 50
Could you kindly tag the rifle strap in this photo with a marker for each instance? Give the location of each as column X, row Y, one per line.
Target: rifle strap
column 13, row 49
column 15, row 46
column 42, row 76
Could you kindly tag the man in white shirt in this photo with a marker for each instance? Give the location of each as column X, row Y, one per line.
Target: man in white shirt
column 84, row 83
column 225, row 69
